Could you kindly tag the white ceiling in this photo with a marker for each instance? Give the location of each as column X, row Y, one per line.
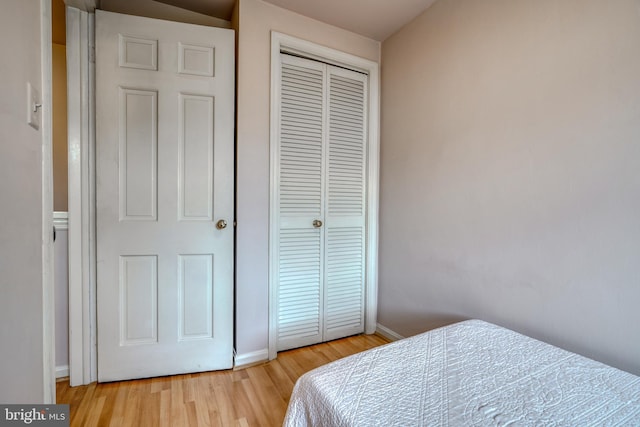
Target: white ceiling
column 376, row 19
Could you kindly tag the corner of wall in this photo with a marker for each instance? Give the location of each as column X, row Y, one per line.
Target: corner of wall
column 388, row 333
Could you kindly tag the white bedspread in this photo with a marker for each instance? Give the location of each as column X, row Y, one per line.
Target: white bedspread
column 470, row 373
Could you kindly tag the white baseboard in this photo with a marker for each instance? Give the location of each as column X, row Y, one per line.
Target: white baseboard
column 62, row 371
column 388, row 333
column 251, row 358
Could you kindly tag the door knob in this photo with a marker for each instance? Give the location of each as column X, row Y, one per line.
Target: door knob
column 317, row 223
column 221, row 224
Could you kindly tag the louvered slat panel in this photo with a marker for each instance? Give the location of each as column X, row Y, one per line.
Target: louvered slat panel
column 344, row 278
column 346, row 157
column 300, row 188
column 345, row 204
column 301, row 127
column 299, row 287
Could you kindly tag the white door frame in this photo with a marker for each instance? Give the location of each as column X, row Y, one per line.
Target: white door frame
column 48, row 300
column 81, row 149
column 284, row 43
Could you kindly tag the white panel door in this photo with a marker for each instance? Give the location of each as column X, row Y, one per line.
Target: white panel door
column 164, row 181
column 321, row 198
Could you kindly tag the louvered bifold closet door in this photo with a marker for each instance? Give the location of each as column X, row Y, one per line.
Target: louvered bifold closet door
column 321, row 193
column 345, row 204
column 300, row 201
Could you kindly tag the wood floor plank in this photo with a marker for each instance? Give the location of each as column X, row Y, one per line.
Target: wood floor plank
column 150, row 410
column 202, row 395
column 241, row 403
column 132, row 409
column 268, row 396
column 165, row 408
column 110, row 393
column 280, row 379
column 223, row 406
column 86, row 404
column 255, row 396
column 94, row 416
column 117, row 418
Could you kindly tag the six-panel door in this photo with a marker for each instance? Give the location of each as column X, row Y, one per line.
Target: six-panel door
column 164, row 178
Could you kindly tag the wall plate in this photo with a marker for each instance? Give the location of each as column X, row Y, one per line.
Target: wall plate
column 33, row 106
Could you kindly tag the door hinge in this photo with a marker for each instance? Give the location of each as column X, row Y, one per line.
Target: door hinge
column 92, row 54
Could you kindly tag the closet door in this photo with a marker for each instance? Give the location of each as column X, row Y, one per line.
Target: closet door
column 321, row 193
column 344, row 260
column 300, row 195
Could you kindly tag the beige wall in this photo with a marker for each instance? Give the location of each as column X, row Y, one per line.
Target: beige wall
column 21, row 251
column 256, row 20
column 510, row 184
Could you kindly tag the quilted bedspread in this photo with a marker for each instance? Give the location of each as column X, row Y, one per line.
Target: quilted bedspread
column 471, row 373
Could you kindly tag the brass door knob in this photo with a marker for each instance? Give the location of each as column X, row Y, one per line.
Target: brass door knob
column 317, row 223
column 221, row 224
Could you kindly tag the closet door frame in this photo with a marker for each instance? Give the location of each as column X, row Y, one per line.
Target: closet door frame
column 284, row 43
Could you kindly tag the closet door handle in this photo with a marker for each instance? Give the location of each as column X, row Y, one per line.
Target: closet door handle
column 317, row 223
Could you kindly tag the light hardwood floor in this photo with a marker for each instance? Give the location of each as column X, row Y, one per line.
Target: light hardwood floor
column 256, row 396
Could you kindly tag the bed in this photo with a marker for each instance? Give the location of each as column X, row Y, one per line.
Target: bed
column 467, row 374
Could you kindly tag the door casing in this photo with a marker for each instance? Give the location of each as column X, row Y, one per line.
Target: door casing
column 81, row 205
